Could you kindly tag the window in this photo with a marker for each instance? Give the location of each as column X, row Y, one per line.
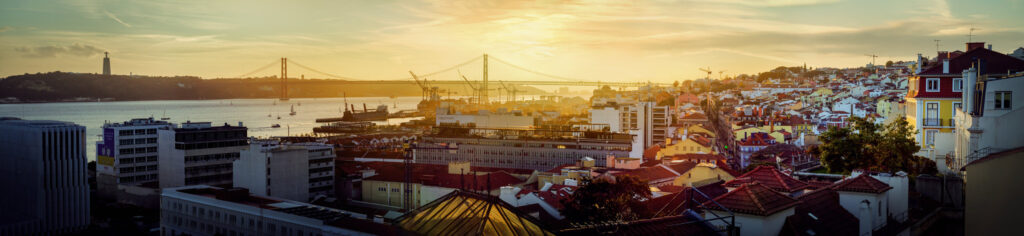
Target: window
column 932, row 85
column 957, row 105
column 958, row 85
column 929, row 136
column 1003, row 100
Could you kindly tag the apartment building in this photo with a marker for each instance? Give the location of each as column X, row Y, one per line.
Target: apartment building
column 128, row 154
column 300, row 171
column 206, row 210
column 198, row 153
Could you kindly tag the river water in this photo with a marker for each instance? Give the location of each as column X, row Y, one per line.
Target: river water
column 251, row 112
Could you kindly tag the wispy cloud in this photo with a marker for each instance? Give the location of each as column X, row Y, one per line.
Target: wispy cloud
column 114, row 17
column 76, row 49
column 6, row 28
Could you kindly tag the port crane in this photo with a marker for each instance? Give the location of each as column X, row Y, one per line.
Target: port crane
column 427, row 91
column 510, row 91
column 476, row 91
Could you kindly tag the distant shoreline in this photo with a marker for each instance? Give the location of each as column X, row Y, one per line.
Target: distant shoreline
column 2, row 101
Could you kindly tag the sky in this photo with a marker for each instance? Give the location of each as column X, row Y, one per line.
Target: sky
column 638, row 40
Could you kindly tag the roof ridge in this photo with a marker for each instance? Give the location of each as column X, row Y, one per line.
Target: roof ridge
column 751, row 195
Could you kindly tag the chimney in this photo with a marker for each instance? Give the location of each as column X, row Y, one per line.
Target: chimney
column 945, row 66
column 970, row 78
column 972, row 46
column 990, row 47
column 920, row 64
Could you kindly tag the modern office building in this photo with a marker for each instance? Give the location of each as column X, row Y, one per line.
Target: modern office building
column 519, row 149
column 206, row 210
column 43, row 165
column 294, row 171
column 128, row 154
column 197, row 153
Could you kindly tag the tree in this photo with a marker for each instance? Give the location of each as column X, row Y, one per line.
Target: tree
column 607, row 200
column 870, row 146
column 888, row 64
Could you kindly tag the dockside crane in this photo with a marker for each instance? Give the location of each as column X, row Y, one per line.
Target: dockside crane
column 428, row 92
column 510, row 91
column 476, row 90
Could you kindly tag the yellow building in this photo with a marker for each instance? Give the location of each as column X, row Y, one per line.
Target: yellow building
column 702, row 173
column 694, row 144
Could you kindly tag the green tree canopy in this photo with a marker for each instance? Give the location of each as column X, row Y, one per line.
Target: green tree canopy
column 603, row 200
column 870, row 146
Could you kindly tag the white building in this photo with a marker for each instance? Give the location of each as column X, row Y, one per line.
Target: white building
column 198, row 153
column 128, row 154
column 44, row 167
column 866, row 198
column 486, row 119
column 651, row 122
column 993, row 119
column 300, row 172
column 205, row 210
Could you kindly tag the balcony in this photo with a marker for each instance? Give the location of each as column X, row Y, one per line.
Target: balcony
column 932, row 122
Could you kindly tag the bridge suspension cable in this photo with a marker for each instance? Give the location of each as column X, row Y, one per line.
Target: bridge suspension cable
column 447, row 69
column 534, row 72
column 320, row 72
column 275, row 62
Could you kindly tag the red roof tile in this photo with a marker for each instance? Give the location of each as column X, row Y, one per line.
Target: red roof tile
column 753, row 199
column 686, row 198
column 653, row 173
column 652, row 152
column 862, row 183
column 696, row 157
column 769, row 177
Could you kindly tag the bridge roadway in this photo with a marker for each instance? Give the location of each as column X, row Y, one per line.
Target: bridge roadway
column 509, row 82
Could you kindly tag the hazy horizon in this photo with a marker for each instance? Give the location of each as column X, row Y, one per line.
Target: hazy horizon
column 658, row 41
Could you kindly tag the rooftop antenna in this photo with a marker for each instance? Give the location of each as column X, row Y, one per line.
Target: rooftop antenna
column 936, row 44
column 970, row 34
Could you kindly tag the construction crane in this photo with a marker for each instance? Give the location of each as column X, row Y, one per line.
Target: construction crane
column 720, row 74
column 873, row 56
column 708, row 70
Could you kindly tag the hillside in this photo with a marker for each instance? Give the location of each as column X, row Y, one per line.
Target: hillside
column 63, row 86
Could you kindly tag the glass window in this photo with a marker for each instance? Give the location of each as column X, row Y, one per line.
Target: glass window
column 1003, row 100
column 932, row 85
column 958, row 85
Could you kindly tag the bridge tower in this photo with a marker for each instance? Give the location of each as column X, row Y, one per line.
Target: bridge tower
column 483, row 89
column 284, row 79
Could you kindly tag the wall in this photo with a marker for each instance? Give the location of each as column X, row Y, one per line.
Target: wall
column 876, row 211
column 993, row 196
column 609, row 116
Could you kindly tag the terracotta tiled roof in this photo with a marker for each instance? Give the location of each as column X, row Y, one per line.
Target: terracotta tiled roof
column 685, row 198
column 437, row 175
column 862, row 183
column 694, row 116
column 651, row 152
column 819, row 213
column 653, row 173
column 753, row 199
column 769, row 177
column 758, row 139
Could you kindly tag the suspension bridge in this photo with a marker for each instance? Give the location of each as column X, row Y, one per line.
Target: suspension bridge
column 539, row 78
